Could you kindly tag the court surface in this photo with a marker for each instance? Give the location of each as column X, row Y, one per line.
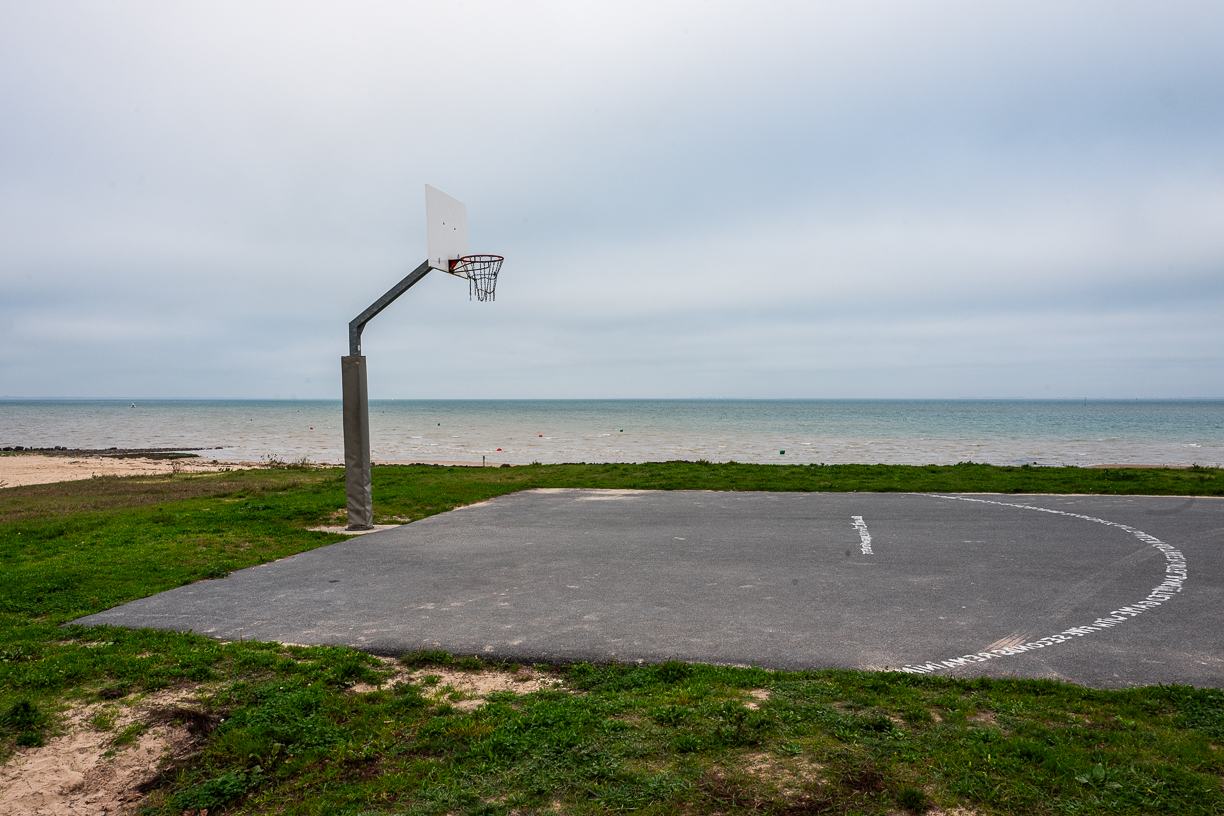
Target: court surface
column 1100, row 590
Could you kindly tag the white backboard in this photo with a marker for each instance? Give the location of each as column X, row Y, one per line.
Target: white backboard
column 445, row 227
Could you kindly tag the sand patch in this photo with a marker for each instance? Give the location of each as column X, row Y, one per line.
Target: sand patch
column 791, row 775
column 82, row 772
column 29, row 469
column 377, row 528
column 609, row 494
column 758, row 696
column 464, row 690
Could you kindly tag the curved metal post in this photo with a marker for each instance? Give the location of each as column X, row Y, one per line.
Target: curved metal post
column 357, row 487
column 358, row 322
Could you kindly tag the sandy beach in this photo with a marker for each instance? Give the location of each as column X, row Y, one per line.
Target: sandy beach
column 35, row 468
column 28, row 469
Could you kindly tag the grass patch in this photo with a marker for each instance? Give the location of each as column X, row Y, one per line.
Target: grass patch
column 286, row 732
column 653, row 740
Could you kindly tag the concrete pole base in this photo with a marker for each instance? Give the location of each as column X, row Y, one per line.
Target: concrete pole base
column 357, row 443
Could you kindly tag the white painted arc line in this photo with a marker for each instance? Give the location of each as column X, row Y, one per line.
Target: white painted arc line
column 864, row 536
column 1176, row 575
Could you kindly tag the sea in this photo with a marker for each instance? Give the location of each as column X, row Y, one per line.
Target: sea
column 1005, row 432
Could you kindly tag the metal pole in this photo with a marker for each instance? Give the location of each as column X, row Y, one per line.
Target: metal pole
column 357, row 443
column 357, row 487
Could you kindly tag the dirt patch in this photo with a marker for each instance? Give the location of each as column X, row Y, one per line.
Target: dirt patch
column 790, row 775
column 465, row 690
column 758, row 696
column 763, row 783
column 377, row 528
column 984, row 717
column 107, row 755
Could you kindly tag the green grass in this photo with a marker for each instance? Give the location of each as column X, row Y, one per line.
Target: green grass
column 281, row 731
column 400, row 490
column 678, row 738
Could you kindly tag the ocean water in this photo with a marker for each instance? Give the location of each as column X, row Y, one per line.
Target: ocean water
column 1165, row 432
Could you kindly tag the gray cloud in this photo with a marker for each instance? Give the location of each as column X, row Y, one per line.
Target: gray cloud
column 695, row 199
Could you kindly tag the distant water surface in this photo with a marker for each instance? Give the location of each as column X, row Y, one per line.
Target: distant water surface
column 1166, row 432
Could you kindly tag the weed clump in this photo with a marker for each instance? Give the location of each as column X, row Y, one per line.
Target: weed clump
column 426, row 657
column 218, row 791
column 913, row 800
column 26, row 721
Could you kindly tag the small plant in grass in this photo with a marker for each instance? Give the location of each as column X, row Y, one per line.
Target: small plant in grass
column 917, row 716
column 129, row 735
column 31, row 739
column 103, row 720
column 18, row 652
column 687, row 744
column 27, row 721
column 426, row 657
column 913, row 800
column 218, row 791
column 354, row 670
column 469, row 663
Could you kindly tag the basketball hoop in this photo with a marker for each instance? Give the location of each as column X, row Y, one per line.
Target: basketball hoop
column 446, row 236
column 481, row 273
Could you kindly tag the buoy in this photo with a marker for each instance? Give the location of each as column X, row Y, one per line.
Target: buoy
column 781, row 451
column 312, row 427
column 499, row 448
column 541, row 436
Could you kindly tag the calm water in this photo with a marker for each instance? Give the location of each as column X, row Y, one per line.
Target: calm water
column 871, row 431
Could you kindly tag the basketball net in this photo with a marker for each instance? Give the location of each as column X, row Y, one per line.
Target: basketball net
column 481, row 273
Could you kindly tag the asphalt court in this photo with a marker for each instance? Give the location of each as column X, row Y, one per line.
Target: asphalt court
column 1101, row 590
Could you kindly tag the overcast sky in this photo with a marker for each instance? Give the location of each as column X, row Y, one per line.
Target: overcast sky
column 695, row 199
